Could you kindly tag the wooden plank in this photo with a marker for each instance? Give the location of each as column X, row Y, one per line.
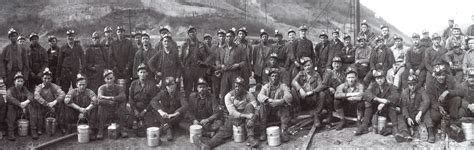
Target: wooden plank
column 43, row 145
column 310, row 135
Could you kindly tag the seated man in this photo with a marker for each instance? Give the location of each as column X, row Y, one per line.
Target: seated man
column 141, row 91
column 331, row 79
column 204, row 109
column 241, row 106
column 463, row 100
column 385, row 97
column 50, row 97
column 170, row 105
column 415, row 104
column 83, row 101
column 455, row 61
column 394, row 74
column 349, row 92
column 110, row 97
column 308, row 89
column 19, row 100
column 275, row 98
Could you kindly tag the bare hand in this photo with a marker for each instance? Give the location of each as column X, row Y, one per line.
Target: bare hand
column 471, row 107
column 418, row 117
column 195, row 122
column 332, row 90
column 204, row 121
column 302, row 93
column 51, row 104
column 410, row 122
column 380, row 107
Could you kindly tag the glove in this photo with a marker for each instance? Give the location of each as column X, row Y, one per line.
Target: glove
column 418, row 117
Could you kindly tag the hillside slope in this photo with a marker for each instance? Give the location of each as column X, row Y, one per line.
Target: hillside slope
column 86, row 16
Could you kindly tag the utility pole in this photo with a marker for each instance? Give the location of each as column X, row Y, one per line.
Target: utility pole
column 357, row 17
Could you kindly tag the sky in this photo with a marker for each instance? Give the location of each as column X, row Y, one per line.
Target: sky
column 412, row 16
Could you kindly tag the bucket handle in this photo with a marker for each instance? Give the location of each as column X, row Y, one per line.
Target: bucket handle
column 23, row 114
column 79, row 120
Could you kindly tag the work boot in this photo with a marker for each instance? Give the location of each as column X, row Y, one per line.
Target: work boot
column 201, row 145
column 251, row 141
column 431, row 135
column 169, row 135
column 100, row 134
column 403, row 136
column 328, row 118
column 11, row 136
column 317, row 122
column 285, row 136
column 34, row 134
column 340, row 124
column 362, row 129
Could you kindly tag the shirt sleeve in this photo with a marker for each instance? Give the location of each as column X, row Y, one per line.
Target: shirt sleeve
column 230, row 106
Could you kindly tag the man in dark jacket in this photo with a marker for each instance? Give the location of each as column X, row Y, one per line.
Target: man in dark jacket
column 193, row 55
column 38, row 60
column 96, row 62
column 121, row 55
column 323, row 53
column 14, row 59
column 71, row 61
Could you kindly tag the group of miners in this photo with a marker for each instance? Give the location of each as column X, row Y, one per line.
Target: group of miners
column 231, row 81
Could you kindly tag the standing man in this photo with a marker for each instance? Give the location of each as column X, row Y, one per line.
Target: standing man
column 283, row 74
column 388, row 39
column 335, row 46
column 38, row 60
column 71, row 61
column 468, row 60
column 193, row 56
column 301, row 47
column 247, row 48
column 261, row 54
column 144, row 55
column 216, row 75
column 381, row 58
column 456, row 38
column 288, row 61
column 231, row 62
column 434, row 55
column 426, row 40
column 207, row 41
column 455, row 60
column 137, row 40
column 362, row 55
column 448, row 31
column 19, row 100
column 398, row 49
column 366, row 33
column 108, row 39
column 165, row 31
column 121, row 57
column 279, row 48
column 415, row 61
column 347, row 53
column 96, row 62
column 166, row 62
column 14, row 59
column 323, row 53
column 53, row 54
column 470, row 29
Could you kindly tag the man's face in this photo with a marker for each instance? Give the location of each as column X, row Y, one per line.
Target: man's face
column 380, row 80
column 13, row 37
column 379, row 42
column 46, row 79
column 471, row 43
column 351, row 79
column 441, row 78
column 109, row 80
column 456, row 32
column 303, row 33
column 385, row 31
column 166, row 42
column 163, row 33
column 81, row 85
column 436, row 41
column 272, row 62
column 279, row 38
column 335, row 35
column 347, row 42
column 192, row 34
column 171, row 87
column 398, row 42
column 241, row 35
column 238, row 88
column 19, row 82
column 323, row 39
column 108, row 34
column 70, row 38
column 264, row 37
column 229, row 38
column 411, row 86
column 201, row 88
column 308, row 66
column 208, row 40
column 34, row 40
column 146, row 41
column 21, row 41
column 292, row 35
column 363, row 28
column 362, row 43
column 142, row 74
column 274, row 78
column 221, row 38
column 336, row 65
column 138, row 39
column 416, row 40
column 53, row 42
column 95, row 40
column 120, row 34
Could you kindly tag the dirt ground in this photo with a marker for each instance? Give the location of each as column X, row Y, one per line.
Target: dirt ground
column 327, row 139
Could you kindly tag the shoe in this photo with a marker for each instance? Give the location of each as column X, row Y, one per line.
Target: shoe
column 34, row 134
column 317, row 121
column 200, row 144
column 431, row 135
column 263, row 137
column 169, row 135
column 362, row 129
column 285, row 137
column 252, row 142
column 399, row 138
column 100, row 134
column 11, row 136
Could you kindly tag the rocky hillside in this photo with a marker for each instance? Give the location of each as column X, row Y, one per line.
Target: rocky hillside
column 85, row 16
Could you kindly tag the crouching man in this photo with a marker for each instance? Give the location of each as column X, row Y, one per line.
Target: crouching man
column 19, row 100
column 204, row 109
column 171, row 107
column 415, row 104
column 349, row 92
column 83, row 101
column 383, row 97
column 275, row 99
column 110, row 97
column 242, row 108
